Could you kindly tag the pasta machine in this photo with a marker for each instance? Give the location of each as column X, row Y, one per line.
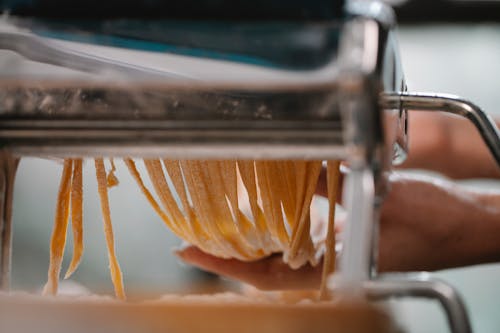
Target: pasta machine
column 303, row 80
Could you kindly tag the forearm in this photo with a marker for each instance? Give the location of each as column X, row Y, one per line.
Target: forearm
column 449, row 145
column 432, row 224
column 484, row 230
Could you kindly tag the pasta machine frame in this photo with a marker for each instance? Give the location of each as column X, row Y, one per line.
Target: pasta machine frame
column 363, row 120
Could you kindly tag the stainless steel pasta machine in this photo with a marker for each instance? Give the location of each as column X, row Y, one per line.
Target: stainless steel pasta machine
column 249, row 80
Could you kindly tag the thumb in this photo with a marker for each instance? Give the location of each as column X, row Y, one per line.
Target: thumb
column 269, row 273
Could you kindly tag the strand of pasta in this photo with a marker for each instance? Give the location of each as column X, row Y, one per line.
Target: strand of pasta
column 286, row 170
column 311, row 174
column 301, row 243
column 297, row 181
column 76, row 216
column 204, row 210
column 175, row 173
column 276, row 189
column 303, row 249
column 116, row 274
column 284, row 198
column 272, row 214
column 111, row 179
column 58, row 238
column 300, row 188
column 299, row 238
column 247, row 173
column 212, row 181
column 177, row 222
column 332, row 182
column 156, row 207
column 217, row 190
column 245, row 227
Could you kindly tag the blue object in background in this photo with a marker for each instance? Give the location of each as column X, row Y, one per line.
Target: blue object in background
column 293, row 34
column 290, row 45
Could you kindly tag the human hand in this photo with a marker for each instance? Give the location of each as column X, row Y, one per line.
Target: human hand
column 426, row 224
column 429, row 223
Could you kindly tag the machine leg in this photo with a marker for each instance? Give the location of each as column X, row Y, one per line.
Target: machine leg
column 8, row 167
column 355, row 257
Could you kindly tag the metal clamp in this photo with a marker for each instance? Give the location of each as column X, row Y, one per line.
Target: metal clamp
column 422, row 285
column 450, row 104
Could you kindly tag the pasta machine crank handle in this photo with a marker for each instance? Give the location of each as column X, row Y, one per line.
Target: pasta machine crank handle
column 8, row 167
column 389, row 286
column 451, row 104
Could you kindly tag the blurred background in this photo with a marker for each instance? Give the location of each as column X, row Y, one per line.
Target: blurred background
column 446, row 46
column 454, row 47
column 461, row 59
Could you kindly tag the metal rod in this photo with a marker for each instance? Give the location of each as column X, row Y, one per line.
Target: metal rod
column 451, row 104
column 8, row 170
column 176, row 139
column 203, row 152
column 422, row 285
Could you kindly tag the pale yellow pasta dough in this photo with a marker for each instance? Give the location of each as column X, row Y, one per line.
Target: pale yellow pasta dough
column 198, row 201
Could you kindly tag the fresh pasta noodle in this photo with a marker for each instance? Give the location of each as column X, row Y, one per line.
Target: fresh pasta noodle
column 58, row 238
column 301, row 246
column 116, row 273
column 228, row 169
column 279, row 196
column 137, row 177
column 198, row 201
column 76, row 216
column 111, row 179
column 270, row 204
column 332, row 183
column 157, row 177
column 176, row 176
